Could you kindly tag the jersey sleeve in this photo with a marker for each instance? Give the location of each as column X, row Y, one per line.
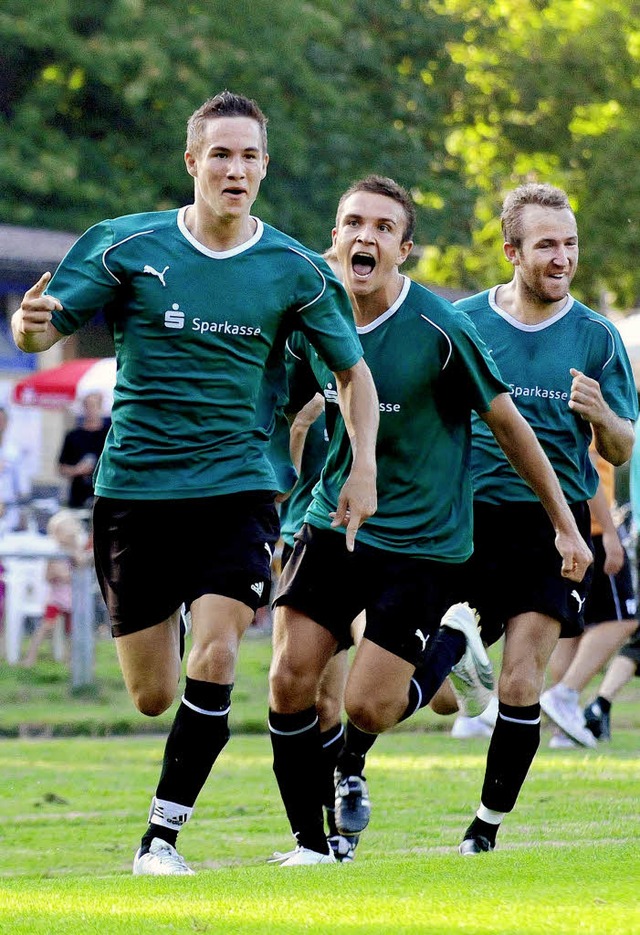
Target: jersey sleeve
column 83, row 282
column 325, row 316
column 473, row 369
column 617, row 381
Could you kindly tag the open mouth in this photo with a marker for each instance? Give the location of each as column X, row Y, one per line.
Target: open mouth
column 362, row 264
column 234, row 191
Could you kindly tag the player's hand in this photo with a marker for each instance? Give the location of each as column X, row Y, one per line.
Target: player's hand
column 356, row 503
column 613, row 553
column 36, row 308
column 576, row 555
column 586, row 397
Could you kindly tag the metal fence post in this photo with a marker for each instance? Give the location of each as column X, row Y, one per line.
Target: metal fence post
column 82, row 628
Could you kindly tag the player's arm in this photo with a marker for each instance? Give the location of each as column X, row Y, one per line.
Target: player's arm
column 520, row 445
column 613, row 436
column 613, row 548
column 31, row 323
column 300, row 426
column 358, row 402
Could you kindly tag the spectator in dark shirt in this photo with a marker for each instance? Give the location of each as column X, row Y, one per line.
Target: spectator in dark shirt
column 81, row 449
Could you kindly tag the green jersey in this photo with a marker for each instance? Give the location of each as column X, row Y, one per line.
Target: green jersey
column 535, row 360
column 194, row 333
column 431, row 370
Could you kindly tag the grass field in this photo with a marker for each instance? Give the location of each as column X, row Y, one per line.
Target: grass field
column 72, row 810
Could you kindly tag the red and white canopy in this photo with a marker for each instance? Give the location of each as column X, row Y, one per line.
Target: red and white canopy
column 67, row 384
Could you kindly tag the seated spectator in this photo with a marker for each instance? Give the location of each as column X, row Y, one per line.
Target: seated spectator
column 71, row 537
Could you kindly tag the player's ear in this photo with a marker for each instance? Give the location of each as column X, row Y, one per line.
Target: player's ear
column 191, row 163
column 405, row 249
column 510, row 252
column 265, row 163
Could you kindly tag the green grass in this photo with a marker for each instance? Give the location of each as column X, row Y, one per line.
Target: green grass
column 71, row 811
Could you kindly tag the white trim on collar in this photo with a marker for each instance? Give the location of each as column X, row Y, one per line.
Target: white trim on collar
column 217, row 254
column 380, row 320
column 568, row 305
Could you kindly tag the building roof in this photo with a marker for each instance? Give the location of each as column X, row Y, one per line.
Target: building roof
column 26, row 252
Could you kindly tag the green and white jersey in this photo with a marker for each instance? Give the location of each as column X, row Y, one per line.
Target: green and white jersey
column 431, row 370
column 535, row 360
column 194, row 331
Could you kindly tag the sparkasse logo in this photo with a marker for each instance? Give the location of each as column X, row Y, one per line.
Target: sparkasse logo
column 173, row 317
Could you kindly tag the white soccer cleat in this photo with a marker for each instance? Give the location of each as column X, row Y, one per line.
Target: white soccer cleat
column 561, row 741
column 561, row 706
column 464, row 727
column 161, row 860
column 303, row 857
column 472, row 677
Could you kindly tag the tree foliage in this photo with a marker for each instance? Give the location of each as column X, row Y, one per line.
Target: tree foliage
column 457, row 99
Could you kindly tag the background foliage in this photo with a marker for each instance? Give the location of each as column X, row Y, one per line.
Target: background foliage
column 457, row 99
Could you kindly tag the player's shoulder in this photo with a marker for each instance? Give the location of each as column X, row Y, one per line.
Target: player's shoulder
column 473, row 303
column 435, row 309
column 291, row 248
column 145, row 221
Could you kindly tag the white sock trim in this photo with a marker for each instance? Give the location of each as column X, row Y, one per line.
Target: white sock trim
column 419, row 702
column 169, row 814
column 517, row 720
column 488, row 815
column 204, row 711
column 292, row 733
column 334, row 739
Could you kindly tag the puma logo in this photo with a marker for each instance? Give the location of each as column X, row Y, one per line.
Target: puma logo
column 154, row 272
column 423, row 639
column 579, row 599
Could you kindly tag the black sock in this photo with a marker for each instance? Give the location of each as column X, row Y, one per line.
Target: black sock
column 199, row 732
column 357, row 744
column 298, row 768
column 605, row 706
column 332, row 741
column 513, row 745
column 445, row 650
column 480, row 828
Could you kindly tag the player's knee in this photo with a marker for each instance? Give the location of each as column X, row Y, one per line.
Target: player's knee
column 152, row 701
column 329, row 707
column 370, row 715
column 520, row 688
column 291, row 686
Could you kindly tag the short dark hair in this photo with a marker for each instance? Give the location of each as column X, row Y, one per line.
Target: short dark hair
column 381, row 185
column 532, row 193
column 224, row 104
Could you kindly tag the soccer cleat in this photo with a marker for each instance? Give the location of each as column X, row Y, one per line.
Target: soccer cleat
column 597, row 721
column 472, row 677
column 161, row 860
column 304, row 857
column 464, row 727
column 561, row 706
column 476, row 845
column 561, row 741
column 344, row 849
column 353, row 808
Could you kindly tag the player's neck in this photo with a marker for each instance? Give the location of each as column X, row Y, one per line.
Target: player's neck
column 219, row 233
column 524, row 306
column 367, row 307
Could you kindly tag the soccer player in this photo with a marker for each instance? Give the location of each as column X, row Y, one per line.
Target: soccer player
column 570, row 377
column 201, row 301
column 431, row 370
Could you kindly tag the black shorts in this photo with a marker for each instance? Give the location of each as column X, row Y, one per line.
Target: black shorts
column 611, row 597
column 515, row 568
column 153, row 555
column 404, row 598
